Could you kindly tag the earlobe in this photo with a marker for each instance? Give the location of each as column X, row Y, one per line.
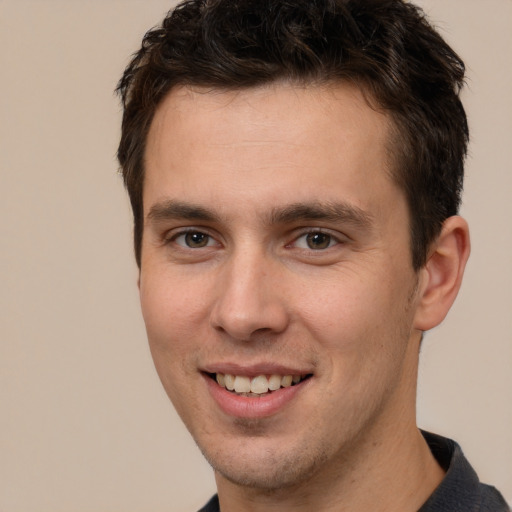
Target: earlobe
column 441, row 277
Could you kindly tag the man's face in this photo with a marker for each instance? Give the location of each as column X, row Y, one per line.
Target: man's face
column 276, row 246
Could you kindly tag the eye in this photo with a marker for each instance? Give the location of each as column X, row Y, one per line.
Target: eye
column 315, row 240
column 194, row 240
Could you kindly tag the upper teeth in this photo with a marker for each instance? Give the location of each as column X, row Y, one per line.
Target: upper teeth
column 259, row 385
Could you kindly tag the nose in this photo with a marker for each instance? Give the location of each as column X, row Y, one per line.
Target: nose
column 250, row 300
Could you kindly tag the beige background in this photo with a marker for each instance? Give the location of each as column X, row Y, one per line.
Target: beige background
column 84, row 423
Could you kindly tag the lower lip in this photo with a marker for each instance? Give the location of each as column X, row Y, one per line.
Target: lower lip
column 253, row 407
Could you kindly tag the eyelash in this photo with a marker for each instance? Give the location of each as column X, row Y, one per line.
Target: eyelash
column 173, row 238
column 332, row 240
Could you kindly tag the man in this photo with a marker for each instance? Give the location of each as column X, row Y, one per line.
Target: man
column 295, row 171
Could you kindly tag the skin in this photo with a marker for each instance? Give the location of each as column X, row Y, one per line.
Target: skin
column 250, row 174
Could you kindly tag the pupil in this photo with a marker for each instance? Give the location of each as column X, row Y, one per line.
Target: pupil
column 318, row 241
column 196, row 239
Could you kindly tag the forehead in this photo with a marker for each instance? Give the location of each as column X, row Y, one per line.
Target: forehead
column 267, row 141
column 282, row 105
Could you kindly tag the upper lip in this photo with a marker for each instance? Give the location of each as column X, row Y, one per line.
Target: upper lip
column 254, row 370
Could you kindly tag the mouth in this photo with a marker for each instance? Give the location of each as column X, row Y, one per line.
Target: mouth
column 258, row 386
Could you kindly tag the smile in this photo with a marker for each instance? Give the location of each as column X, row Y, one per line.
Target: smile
column 256, row 392
column 258, row 386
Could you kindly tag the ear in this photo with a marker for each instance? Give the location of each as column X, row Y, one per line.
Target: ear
column 441, row 277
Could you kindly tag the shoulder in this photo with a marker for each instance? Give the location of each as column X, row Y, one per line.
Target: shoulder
column 461, row 489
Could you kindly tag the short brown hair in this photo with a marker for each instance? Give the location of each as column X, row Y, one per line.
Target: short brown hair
column 386, row 47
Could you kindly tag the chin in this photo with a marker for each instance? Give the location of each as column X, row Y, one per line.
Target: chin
column 266, row 469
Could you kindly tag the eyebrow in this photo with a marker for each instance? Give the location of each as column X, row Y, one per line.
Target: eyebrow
column 171, row 210
column 330, row 212
column 296, row 212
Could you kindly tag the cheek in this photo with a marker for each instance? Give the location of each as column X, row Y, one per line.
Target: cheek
column 172, row 313
column 170, row 303
column 340, row 312
column 360, row 323
column 169, row 313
